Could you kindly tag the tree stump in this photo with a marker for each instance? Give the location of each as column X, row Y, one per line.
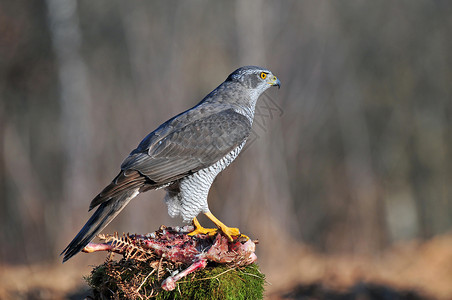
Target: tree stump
column 169, row 264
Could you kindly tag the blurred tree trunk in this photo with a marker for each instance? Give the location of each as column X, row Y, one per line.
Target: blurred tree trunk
column 365, row 224
column 75, row 103
column 4, row 203
column 263, row 193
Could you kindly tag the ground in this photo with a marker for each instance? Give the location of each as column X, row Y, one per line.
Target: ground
column 408, row 270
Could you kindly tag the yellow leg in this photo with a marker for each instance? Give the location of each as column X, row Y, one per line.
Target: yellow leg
column 229, row 232
column 201, row 230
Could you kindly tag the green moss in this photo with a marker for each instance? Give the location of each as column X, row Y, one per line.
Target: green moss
column 129, row 279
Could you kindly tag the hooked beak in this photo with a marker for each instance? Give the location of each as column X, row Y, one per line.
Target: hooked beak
column 275, row 82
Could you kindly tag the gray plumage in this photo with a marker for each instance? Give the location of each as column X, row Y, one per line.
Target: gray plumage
column 184, row 154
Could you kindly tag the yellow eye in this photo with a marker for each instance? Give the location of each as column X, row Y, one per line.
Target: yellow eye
column 263, row 75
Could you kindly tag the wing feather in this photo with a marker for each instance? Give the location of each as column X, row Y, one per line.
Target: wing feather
column 187, row 149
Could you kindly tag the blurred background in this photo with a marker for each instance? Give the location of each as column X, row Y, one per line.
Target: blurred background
column 347, row 177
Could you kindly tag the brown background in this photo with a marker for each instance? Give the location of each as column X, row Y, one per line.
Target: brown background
column 350, row 159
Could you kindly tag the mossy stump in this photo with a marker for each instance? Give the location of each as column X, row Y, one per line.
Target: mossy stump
column 172, row 264
column 131, row 279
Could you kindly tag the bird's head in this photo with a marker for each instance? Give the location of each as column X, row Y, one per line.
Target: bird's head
column 255, row 78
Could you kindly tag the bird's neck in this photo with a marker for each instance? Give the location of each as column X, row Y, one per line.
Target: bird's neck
column 244, row 99
column 247, row 109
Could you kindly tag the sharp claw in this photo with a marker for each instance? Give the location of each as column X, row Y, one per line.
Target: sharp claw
column 228, row 232
column 201, row 230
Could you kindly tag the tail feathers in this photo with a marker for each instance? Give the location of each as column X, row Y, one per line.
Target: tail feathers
column 126, row 180
column 104, row 214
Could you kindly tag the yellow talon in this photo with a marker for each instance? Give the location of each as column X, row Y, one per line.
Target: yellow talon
column 229, row 232
column 201, row 230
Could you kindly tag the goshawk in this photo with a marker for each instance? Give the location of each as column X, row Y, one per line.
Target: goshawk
column 184, row 155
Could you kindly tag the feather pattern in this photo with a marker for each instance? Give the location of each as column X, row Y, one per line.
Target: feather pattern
column 184, row 154
column 190, row 148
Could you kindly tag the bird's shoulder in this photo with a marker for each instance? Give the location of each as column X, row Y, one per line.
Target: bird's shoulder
column 220, row 120
column 195, row 139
